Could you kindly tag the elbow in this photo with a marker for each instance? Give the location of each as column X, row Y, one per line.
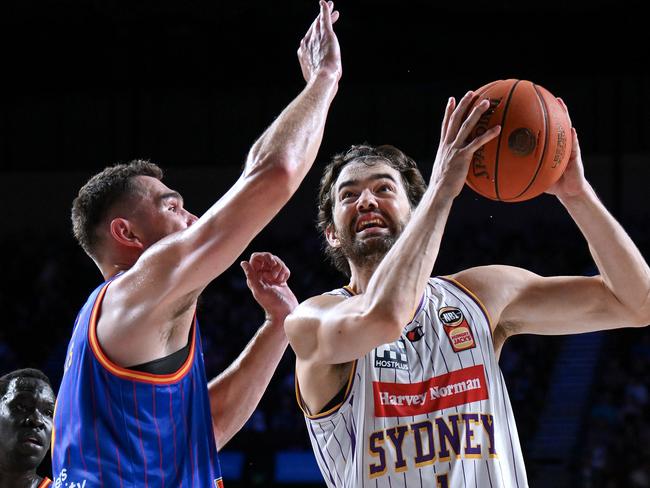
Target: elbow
column 280, row 172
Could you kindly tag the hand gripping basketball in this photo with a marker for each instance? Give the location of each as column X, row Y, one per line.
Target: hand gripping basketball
column 457, row 144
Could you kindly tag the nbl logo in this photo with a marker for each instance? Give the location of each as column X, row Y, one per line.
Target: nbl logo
column 457, row 328
column 392, row 356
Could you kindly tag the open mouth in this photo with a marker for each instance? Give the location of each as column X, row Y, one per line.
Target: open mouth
column 370, row 222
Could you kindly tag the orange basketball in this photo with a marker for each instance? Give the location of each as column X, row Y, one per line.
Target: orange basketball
column 533, row 148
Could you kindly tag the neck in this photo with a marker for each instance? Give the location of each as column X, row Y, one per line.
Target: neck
column 360, row 276
column 109, row 270
column 23, row 479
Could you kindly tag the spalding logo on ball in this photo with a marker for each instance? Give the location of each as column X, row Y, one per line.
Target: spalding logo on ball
column 534, row 145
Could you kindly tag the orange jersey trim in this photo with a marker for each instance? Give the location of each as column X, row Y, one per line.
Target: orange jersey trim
column 46, row 482
column 53, row 436
column 127, row 374
column 332, row 410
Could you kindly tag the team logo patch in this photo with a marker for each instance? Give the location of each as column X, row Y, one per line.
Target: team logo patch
column 457, row 329
column 445, row 391
column 392, row 356
column 415, row 334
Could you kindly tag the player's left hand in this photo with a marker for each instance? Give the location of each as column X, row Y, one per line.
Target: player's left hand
column 266, row 276
column 572, row 183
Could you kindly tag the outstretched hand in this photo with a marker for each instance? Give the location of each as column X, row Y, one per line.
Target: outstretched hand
column 319, row 51
column 456, row 150
column 266, row 276
column 572, row 182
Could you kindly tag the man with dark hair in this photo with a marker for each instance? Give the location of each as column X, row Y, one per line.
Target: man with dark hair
column 397, row 373
column 26, row 409
column 134, row 409
column 411, row 178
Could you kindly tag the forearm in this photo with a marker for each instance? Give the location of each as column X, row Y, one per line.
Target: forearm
column 398, row 283
column 619, row 261
column 295, row 136
column 236, row 392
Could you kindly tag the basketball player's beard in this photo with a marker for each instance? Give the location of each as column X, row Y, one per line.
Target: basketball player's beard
column 370, row 251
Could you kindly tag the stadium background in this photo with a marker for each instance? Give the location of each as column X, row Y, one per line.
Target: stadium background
column 191, row 84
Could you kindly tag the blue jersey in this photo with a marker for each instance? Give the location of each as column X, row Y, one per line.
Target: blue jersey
column 119, row 428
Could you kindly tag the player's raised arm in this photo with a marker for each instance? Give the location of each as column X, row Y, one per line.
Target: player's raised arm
column 168, row 275
column 523, row 302
column 329, row 330
column 275, row 166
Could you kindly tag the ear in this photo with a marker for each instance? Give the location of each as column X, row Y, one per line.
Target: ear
column 332, row 238
column 122, row 232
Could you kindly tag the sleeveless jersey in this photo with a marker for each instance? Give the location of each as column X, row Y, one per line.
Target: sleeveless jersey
column 428, row 410
column 118, row 428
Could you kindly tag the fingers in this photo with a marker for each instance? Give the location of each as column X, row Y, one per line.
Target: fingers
column 270, row 268
column 458, row 115
column 328, row 15
column 470, row 122
column 483, row 139
column 249, row 272
column 575, row 145
column 283, row 270
column 563, row 105
column 324, row 16
column 310, row 32
column 449, row 109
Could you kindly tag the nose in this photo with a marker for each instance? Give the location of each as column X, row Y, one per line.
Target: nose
column 191, row 218
column 366, row 200
column 34, row 419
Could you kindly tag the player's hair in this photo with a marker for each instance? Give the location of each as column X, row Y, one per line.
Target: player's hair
column 97, row 196
column 414, row 185
column 22, row 373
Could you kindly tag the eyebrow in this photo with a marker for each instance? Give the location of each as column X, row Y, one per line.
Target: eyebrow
column 378, row 176
column 171, row 194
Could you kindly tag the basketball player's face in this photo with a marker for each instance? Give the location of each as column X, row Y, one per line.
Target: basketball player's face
column 26, row 412
column 371, row 209
column 159, row 211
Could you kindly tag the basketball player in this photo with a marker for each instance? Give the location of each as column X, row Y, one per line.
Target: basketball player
column 26, row 409
column 397, row 372
column 134, row 409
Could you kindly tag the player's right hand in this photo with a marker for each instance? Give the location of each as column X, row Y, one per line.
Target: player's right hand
column 319, row 52
column 456, row 150
column 267, row 276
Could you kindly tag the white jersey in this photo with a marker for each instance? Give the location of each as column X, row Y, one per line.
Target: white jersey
column 428, row 410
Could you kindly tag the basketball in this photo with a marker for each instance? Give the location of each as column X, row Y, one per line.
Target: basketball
column 533, row 148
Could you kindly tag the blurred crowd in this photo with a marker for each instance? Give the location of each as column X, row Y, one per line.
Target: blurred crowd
column 614, row 450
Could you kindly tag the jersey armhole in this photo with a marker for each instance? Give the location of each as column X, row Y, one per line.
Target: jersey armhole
column 335, row 408
column 128, row 374
column 474, row 298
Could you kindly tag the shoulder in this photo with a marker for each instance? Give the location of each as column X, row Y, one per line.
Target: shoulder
column 495, row 286
column 313, row 309
column 483, row 279
column 302, row 325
